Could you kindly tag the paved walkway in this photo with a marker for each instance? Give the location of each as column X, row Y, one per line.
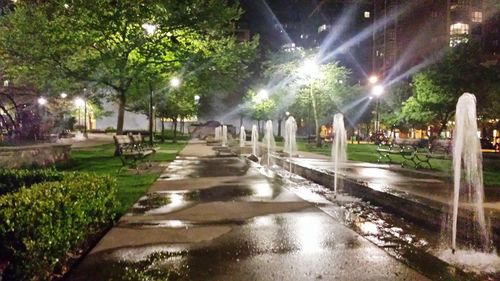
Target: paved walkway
column 209, row 218
column 427, row 184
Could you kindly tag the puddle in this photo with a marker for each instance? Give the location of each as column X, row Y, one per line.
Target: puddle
column 167, row 202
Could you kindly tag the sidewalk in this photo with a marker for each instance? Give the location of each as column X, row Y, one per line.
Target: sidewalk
column 422, row 196
column 209, row 218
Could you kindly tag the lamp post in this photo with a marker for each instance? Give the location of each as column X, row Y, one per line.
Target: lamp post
column 79, row 103
column 85, row 113
column 377, row 91
column 310, row 69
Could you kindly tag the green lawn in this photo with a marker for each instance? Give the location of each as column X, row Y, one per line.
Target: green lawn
column 131, row 186
column 368, row 153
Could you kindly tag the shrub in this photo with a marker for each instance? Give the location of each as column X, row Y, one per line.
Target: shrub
column 279, row 138
column 14, row 179
column 169, row 135
column 110, row 130
column 40, row 225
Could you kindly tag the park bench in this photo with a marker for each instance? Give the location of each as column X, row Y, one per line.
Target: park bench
column 415, row 151
column 130, row 152
column 438, row 149
column 405, row 149
column 140, row 143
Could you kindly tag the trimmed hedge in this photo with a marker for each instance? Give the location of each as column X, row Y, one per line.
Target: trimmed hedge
column 14, row 179
column 41, row 225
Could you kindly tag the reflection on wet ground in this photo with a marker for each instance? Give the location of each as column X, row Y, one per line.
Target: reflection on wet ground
column 390, row 178
column 206, row 167
column 285, row 243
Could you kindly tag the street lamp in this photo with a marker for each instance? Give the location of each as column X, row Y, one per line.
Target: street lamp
column 42, row 101
column 64, row 95
column 261, row 96
column 311, row 70
column 373, row 79
column 79, row 103
column 175, row 82
column 377, row 91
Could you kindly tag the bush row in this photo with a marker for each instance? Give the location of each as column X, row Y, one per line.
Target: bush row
column 14, row 179
column 41, row 225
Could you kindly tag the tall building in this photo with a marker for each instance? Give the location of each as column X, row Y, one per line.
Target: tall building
column 410, row 33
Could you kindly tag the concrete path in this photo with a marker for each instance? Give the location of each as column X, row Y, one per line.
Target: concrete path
column 209, row 218
column 427, row 184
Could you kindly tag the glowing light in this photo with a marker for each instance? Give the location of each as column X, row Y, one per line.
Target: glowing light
column 377, row 90
column 373, row 79
column 310, row 69
column 150, row 28
column 79, row 102
column 287, row 113
column 6, row 83
column 64, row 95
column 196, row 98
column 42, row 101
column 262, row 95
column 175, row 82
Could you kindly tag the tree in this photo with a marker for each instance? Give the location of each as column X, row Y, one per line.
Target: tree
column 112, row 43
column 258, row 106
column 437, row 88
column 310, row 85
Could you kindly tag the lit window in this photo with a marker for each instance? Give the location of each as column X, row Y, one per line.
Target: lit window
column 322, row 28
column 477, row 16
column 459, row 29
column 367, row 14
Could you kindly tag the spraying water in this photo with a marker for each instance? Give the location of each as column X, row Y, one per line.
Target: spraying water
column 224, row 135
column 243, row 136
column 468, row 170
column 217, row 133
column 269, row 140
column 255, row 140
column 339, row 147
column 290, row 139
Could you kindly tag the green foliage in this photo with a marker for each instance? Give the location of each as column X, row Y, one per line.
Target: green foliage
column 40, row 225
column 437, row 88
column 105, row 43
column 258, row 108
column 14, row 179
column 169, row 135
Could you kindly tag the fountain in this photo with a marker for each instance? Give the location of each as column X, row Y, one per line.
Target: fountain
column 79, row 136
column 243, row 136
column 290, row 141
column 224, row 135
column 217, row 133
column 255, row 140
column 468, row 171
column 268, row 140
column 339, row 148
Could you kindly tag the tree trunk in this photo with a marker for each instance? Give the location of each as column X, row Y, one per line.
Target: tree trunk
column 241, row 120
column 175, row 130
column 121, row 113
column 316, row 118
column 182, row 126
column 279, row 127
column 162, row 129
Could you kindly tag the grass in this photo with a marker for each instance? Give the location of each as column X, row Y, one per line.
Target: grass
column 131, row 186
column 368, row 153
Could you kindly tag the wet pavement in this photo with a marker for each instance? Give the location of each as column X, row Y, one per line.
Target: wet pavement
column 225, row 219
